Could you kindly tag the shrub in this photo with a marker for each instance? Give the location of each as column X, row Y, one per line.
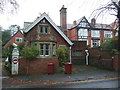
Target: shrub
column 63, row 54
column 30, row 52
column 20, row 47
column 110, row 44
column 7, row 52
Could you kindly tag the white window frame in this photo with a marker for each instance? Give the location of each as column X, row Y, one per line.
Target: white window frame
column 108, row 34
column 82, row 32
column 97, row 42
column 95, row 33
column 20, row 39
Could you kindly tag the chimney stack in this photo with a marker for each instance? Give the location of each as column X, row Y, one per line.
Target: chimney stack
column 93, row 22
column 63, row 18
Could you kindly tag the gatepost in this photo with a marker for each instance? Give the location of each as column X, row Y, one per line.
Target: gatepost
column 15, row 62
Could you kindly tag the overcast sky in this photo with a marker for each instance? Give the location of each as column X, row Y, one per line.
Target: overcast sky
column 29, row 10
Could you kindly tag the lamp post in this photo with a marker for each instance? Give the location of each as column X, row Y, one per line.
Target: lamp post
column 117, row 5
column 87, row 54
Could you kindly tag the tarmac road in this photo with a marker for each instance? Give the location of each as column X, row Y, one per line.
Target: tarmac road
column 114, row 83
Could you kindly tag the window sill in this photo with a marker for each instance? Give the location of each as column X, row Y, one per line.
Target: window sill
column 47, row 57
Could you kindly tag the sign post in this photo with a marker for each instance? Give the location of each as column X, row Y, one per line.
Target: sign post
column 15, row 62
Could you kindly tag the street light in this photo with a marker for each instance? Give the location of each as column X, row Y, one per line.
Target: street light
column 87, row 54
column 117, row 5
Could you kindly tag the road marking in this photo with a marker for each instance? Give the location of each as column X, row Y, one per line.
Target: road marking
column 107, row 78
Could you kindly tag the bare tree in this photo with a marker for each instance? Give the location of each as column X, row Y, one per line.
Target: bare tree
column 108, row 8
column 111, row 8
column 10, row 5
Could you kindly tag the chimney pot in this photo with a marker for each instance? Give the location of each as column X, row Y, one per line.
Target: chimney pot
column 74, row 23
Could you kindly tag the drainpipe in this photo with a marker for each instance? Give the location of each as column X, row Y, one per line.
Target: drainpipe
column 70, row 55
column 87, row 54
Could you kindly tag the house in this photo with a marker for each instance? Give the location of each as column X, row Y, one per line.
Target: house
column 93, row 33
column 47, row 36
column 17, row 38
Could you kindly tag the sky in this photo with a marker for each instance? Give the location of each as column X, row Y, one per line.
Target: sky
column 29, row 10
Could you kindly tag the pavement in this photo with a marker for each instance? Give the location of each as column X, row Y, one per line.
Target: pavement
column 79, row 73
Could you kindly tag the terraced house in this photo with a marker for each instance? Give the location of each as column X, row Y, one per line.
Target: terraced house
column 93, row 33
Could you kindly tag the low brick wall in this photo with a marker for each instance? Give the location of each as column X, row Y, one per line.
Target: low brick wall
column 100, row 58
column 104, row 59
column 116, row 62
column 37, row 65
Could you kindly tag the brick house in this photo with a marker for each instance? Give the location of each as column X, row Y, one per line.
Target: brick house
column 44, row 34
column 93, row 33
column 17, row 38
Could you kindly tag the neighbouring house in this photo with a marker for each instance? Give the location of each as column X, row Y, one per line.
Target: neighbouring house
column 47, row 36
column 17, row 38
column 93, row 33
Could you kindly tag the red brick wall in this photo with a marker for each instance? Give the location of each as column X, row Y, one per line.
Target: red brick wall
column 116, row 62
column 32, row 35
column 72, row 34
column 37, row 65
column 104, row 59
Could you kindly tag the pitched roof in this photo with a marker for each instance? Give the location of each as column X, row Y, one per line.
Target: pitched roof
column 13, row 36
column 83, row 20
column 44, row 15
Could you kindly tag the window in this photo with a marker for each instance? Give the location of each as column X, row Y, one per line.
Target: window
column 44, row 49
column 47, row 49
column 77, row 53
column 44, row 29
column 82, row 34
column 41, row 49
column 18, row 39
column 95, row 33
column 54, row 49
column 108, row 34
column 95, row 43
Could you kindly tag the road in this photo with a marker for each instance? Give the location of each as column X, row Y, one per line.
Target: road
column 86, row 84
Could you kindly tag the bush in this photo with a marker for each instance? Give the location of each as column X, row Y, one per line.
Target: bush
column 20, row 47
column 30, row 52
column 110, row 44
column 7, row 52
column 63, row 54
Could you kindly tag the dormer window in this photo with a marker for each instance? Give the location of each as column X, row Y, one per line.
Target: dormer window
column 44, row 29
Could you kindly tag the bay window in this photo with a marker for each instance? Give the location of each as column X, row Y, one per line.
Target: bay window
column 47, row 49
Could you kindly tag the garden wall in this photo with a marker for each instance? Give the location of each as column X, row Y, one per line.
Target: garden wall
column 100, row 58
column 37, row 65
column 104, row 59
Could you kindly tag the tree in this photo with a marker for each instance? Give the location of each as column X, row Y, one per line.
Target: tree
column 14, row 29
column 111, row 8
column 6, row 35
column 13, row 5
